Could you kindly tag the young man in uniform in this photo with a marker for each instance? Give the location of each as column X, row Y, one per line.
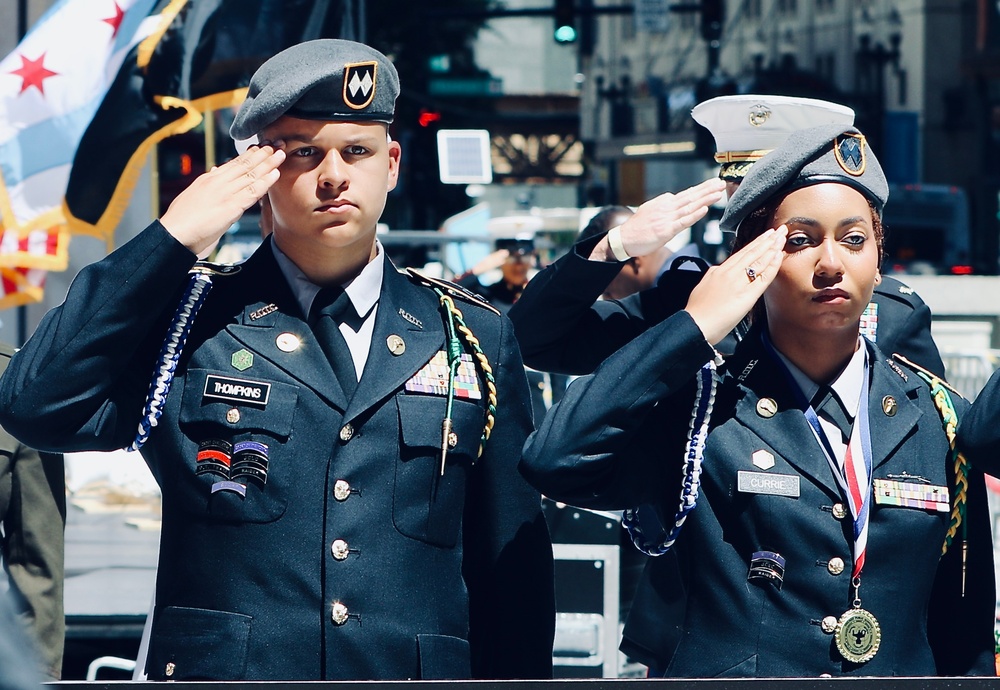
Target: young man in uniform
column 336, row 442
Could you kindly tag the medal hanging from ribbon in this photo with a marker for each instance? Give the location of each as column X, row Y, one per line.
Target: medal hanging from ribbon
column 858, row 634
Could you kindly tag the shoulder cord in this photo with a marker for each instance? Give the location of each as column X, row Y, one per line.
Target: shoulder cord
column 455, row 321
column 198, row 287
column 949, row 420
column 701, row 415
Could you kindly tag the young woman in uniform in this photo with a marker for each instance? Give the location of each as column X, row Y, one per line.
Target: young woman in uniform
column 805, row 546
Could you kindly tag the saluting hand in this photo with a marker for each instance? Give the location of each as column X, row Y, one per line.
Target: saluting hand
column 660, row 219
column 729, row 291
column 203, row 212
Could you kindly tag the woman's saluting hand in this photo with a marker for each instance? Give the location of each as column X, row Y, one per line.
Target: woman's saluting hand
column 729, row 291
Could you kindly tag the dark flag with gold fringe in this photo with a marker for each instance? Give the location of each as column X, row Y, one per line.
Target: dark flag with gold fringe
column 200, row 61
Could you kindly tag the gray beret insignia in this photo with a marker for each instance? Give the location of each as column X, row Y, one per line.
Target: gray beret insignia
column 359, row 84
column 850, row 152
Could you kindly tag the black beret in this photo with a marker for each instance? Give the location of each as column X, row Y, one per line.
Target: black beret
column 326, row 79
column 828, row 153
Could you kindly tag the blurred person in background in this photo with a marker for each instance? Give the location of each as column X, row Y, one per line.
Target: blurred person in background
column 516, row 259
column 19, row 669
column 32, row 543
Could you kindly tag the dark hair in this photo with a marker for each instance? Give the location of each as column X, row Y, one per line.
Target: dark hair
column 761, row 219
column 603, row 221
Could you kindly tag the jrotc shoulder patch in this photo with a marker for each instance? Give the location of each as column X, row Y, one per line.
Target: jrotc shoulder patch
column 849, row 150
column 450, row 289
column 359, row 84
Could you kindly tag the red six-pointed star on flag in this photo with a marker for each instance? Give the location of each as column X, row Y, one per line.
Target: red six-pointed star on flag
column 115, row 21
column 33, row 72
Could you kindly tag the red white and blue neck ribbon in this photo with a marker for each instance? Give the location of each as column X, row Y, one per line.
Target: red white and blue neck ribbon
column 855, row 478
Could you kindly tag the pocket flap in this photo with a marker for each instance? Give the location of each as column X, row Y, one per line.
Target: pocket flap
column 420, row 419
column 198, row 644
column 266, row 405
column 443, row 657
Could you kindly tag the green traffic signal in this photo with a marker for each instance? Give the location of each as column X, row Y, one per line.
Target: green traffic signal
column 565, row 34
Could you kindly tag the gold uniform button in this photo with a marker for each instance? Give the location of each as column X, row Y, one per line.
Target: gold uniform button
column 839, row 511
column 889, row 406
column 287, row 342
column 169, row 669
column 767, row 407
column 346, row 433
column 835, row 566
column 396, row 345
column 338, row 613
column 339, row 549
column 233, row 415
column 829, row 624
column 341, row 490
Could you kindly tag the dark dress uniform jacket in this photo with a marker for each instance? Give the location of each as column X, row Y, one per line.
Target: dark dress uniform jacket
column 617, row 440
column 435, row 577
column 33, row 517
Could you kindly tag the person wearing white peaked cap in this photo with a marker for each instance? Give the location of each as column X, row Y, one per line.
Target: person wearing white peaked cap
column 747, row 126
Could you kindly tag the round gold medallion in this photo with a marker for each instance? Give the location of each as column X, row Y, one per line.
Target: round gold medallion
column 858, row 636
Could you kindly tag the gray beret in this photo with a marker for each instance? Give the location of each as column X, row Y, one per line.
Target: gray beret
column 327, row 79
column 828, row 153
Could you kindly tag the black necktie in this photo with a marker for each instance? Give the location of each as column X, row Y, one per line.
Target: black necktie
column 828, row 404
column 330, row 308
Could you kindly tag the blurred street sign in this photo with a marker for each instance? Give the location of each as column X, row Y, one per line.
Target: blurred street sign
column 652, row 16
column 466, row 86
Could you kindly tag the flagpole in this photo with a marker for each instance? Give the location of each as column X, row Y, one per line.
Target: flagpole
column 154, row 181
column 22, row 31
column 209, row 139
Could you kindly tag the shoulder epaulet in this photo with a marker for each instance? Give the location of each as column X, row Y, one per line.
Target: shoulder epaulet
column 927, row 375
column 450, row 289
column 893, row 289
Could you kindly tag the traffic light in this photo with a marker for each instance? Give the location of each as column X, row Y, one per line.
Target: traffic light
column 427, row 117
column 713, row 15
column 564, row 13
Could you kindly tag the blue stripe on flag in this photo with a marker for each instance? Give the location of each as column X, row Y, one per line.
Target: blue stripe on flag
column 46, row 144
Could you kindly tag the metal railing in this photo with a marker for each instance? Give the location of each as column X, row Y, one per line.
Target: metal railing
column 969, row 370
